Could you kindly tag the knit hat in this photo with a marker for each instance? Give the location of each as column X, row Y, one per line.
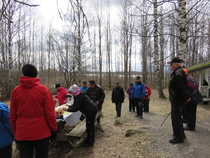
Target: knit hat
column 75, row 89
column 29, row 70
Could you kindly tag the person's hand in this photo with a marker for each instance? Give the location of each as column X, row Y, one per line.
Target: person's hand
column 97, row 102
column 189, row 99
column 53, row 136
column 65, row 108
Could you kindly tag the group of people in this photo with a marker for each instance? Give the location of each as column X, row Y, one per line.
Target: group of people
column 182, row 86
column 88, row 100
column 138, row 95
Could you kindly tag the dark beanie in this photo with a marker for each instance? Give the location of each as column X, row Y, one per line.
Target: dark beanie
column 57, row 85
column 92, row 82
column 29, row 70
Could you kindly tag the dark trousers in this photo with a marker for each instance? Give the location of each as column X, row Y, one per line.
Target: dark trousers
column 146, row 105
column 118, row 109
column 27, row 148
column 90, row 127
column 176, row 118
column 138, row 103
column 6, row 152
column 189, row 115
column 131, row 105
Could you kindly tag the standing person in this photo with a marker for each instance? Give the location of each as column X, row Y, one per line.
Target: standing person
column 118, row 97
column 130, row 97
column 178, row 94
column 83, row 103
column 32, row 115
column 189, row 111
column 147, row 97
column 61, row 94
column 138, row 95
column 97, row 95
column 84, row 87
column 6, row 134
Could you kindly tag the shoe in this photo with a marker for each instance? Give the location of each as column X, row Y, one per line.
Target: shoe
column 141, row 117
column 137, row 116
column 176, row 141
column 85, row 144
column 189, row 129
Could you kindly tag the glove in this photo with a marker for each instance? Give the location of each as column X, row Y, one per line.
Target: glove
column 53, row 136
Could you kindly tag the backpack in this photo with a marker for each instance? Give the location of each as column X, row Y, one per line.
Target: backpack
column 192, row 84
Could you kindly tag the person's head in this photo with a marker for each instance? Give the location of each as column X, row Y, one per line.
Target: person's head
column 175, row 62
column 92, row 83
column 138, row 78
column 74, row 90
column 117, row 84
column 57, row 85
column 84, row 84
column 29, row 70
column 131, row 84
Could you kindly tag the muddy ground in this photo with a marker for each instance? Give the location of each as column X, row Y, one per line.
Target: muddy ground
column 131, row 137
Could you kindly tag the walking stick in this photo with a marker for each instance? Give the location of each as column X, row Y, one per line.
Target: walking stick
column 166, row 118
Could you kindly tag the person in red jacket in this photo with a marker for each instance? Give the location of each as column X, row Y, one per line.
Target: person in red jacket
column 62, row 92
column 32, row 115
column 147, row 97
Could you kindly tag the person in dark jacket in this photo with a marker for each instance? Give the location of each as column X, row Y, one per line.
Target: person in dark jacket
column 118, row 97
column 84, row 104
column 6, row 134
column 178, row 94
column 96, row 94
column 138, row 95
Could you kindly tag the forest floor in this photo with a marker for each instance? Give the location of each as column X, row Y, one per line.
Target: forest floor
column 131, row 137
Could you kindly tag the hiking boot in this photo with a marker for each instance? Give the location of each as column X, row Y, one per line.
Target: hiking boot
column 189, row 129
column 176, row 141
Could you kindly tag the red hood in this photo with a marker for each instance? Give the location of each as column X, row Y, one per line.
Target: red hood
column 29, row 82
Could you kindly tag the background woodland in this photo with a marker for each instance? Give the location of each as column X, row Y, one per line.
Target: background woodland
column 93, row 45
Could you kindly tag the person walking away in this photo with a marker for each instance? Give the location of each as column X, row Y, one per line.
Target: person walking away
column 6, row 134
column 84, row 87
column 118, row 97
column 32, row 115
column 84, row 104
column 189, row 111
column 178, row 94
column 61, row 94
column 147, row 97
column 130, row 97
column 138, row 95
column 97, row 95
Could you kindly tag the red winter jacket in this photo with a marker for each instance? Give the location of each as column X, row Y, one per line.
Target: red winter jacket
column 61, row 95
column 148, row 92
column 32, row 110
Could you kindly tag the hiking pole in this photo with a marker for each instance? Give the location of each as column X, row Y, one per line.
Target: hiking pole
column 166, row 118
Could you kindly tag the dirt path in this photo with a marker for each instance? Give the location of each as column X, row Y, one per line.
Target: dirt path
column 150, row 139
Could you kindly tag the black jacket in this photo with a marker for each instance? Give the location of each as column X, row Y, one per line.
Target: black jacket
column 84, row 104
column 96, row 94
column 118, row 95
column 178, row 91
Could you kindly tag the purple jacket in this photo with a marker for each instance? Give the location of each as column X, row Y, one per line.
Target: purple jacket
column 129, row 92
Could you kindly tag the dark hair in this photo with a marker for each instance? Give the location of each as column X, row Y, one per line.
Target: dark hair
column 29, row 70
column 131, row 84
column 84, row 82
column 92, row 82
column 57, row 85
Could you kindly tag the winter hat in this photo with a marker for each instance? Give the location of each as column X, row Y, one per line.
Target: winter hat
column 75, row 89
column 176, row 60
column 29, row 70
